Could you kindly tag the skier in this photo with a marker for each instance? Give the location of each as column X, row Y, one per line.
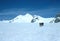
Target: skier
column 41, row 24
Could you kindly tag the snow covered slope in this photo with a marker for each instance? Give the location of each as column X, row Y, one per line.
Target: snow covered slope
column 22, row 19
column 29, row 32
column 28, row 18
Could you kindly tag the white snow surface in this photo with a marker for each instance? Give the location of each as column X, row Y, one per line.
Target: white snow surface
column 22, row 19
column 29, row 32
column 27, row 19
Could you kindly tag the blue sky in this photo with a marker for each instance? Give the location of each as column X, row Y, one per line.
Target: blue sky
column 45, row 8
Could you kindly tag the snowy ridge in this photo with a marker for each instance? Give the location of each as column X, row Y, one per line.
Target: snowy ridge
column 22, row 18
column 28, row 18
column 41, row 19
column 18, row 31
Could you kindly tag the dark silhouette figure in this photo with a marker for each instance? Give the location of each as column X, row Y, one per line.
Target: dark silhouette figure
column 41, row 24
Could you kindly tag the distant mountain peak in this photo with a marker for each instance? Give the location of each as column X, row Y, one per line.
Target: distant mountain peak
column 23, row 18
column 28, row 18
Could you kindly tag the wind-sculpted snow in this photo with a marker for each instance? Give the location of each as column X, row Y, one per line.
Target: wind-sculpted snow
column 29, row 32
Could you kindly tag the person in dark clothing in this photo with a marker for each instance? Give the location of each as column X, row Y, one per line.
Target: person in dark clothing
column 41, row 24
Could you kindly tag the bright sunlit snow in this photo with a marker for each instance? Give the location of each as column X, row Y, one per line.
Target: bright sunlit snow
column 21, row 29
column 27, row 19
column 29, row 32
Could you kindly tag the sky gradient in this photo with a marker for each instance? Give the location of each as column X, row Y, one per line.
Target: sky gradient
column 37, row 4
column 45, row 8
